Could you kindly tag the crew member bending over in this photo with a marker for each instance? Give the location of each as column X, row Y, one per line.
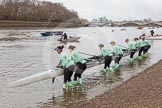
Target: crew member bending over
column 80, row 63
column 132, row 49
column 107, row 54
column 67, row 64
column 118, row 53
column 140, row 45
column 146, row 47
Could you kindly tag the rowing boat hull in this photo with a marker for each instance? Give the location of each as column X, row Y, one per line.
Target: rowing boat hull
column 37, row 77
column 47, row 75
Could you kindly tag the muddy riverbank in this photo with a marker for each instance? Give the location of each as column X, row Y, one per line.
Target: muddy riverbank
column 29, row 24
column 143, row 90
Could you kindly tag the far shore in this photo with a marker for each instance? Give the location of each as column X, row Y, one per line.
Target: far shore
column 36, row 25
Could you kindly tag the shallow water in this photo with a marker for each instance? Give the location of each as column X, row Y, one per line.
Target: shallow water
column 26, row 56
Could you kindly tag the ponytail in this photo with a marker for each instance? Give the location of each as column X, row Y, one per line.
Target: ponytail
column 62, row 46
column 72, row 47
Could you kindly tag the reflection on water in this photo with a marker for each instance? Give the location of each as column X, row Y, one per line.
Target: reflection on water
column 27, row 56
column 65, row 100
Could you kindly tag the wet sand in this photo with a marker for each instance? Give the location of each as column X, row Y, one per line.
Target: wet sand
column 141, row 91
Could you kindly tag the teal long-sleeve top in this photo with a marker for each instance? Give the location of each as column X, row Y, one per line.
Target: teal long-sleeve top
column 140, row 43
column 65, row 60
column 117, row 50
column 131, row 46
column 147, row 42
column 77, row 57
column 105, row 52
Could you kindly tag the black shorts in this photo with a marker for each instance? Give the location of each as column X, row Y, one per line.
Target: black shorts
column 81, row 67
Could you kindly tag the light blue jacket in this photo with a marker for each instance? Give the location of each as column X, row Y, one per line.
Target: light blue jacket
column 105, row 52
column 77, row 57
column 65, row 60
column 117, row 50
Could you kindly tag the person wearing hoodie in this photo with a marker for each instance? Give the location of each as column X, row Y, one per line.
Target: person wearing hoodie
column 118, row 53
column 67, row 64
column 140, row 45
column 146, row 47
column 80, row 63
column 107, row 54
column 132, row 49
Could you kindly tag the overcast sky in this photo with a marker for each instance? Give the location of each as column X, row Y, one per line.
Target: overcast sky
column 115, row 9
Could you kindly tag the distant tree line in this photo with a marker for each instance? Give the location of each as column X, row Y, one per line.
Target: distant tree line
column 32, row 10
column 101, row 20
column 104, row 20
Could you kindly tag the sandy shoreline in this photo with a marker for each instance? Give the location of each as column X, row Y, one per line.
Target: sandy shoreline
column 141, row 91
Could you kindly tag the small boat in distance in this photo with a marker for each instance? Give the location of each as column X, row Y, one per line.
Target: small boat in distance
column 50, row 33
column 57, row 32
column 47, row 34
column 70, row 39
column 140, row 27
column 123, row 29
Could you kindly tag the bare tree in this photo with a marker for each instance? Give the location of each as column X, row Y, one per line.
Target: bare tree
column 32, row 10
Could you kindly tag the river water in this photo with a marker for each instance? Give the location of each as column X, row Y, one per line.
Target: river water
column 21, row 57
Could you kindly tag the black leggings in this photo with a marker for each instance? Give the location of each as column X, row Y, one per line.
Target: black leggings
column 132, row 52
column 118, row 58
column 141, row 49
column 80, row 69
column 68, row 72
column 108, row 60
column 146, row 48
column 77, row 75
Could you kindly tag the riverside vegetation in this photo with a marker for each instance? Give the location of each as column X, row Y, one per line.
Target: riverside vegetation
column 35, row 12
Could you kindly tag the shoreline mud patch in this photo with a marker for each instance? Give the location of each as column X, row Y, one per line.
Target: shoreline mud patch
column 143, row 90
